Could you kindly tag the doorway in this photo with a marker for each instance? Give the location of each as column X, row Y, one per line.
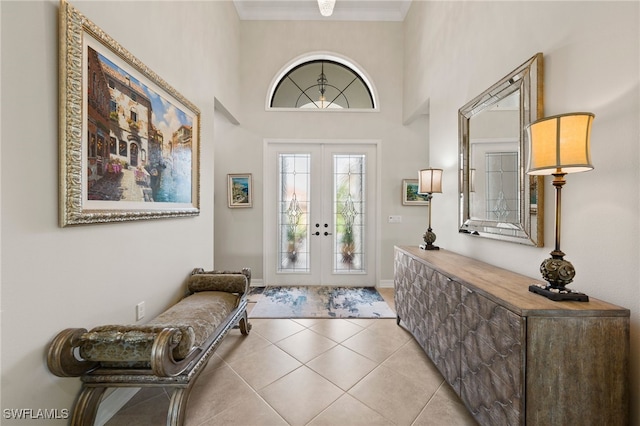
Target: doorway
column 320, row 213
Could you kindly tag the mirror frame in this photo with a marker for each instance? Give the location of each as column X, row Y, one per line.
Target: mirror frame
column 528, row 79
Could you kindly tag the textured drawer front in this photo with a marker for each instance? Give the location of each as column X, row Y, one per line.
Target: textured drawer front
column 491, row 360
column 560, row 363
column 411, row 278
column 443, row 326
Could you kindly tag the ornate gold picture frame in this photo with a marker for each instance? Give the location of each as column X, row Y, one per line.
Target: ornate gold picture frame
column 129, row 142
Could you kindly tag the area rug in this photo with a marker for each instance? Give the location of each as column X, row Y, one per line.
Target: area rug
column 319, row 302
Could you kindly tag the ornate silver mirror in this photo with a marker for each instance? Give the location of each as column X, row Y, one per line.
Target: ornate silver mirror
column 497, row 198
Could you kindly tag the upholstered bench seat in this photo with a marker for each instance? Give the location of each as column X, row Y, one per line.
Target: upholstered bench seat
column 196, row 317
column 168, row 351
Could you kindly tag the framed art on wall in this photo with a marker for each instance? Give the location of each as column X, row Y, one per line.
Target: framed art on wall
column 239, row 191
column 129, row 142
column 410, row 196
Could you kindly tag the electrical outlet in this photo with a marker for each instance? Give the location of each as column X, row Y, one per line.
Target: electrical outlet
column 139, row 311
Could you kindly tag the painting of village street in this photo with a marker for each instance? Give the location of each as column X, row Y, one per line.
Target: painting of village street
column 139, row 145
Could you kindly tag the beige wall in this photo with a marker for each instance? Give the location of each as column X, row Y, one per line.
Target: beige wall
column 442, row 56
column 267, row 47
column 54, row 278
column 455, row 50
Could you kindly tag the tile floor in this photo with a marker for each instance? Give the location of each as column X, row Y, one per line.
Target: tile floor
column 312, row 372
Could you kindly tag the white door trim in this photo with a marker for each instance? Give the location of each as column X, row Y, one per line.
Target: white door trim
column 378, row 203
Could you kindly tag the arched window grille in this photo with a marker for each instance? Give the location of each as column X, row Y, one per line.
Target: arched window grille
column 322, row 84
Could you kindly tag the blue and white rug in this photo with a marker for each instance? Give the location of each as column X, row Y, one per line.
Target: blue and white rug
column 318, row 302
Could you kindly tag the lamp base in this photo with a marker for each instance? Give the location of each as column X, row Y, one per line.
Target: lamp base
column 429, row 247
column 558, row 294
column 429, row 237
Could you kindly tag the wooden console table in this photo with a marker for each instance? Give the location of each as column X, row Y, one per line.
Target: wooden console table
column 514, row 357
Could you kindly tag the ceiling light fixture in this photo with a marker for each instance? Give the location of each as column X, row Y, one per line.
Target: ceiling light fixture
column 322, row 85
column 326, row 7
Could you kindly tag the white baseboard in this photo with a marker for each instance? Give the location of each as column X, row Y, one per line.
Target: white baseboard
column 112, row 403
column 385, row 284
column 257, row 283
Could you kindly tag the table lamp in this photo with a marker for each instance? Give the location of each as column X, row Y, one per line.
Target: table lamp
column 559, row 145
column 429, row 182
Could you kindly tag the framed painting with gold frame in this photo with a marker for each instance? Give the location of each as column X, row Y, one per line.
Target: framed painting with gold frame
column 129, row 142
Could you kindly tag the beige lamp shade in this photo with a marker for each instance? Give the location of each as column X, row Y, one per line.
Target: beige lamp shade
column 560, row 144
column 430, row 181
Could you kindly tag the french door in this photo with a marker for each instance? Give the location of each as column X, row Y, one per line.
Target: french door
column 320, row 214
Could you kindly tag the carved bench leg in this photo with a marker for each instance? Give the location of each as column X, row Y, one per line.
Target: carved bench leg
column 245, row 326
column 84, row 413
column 178, row 406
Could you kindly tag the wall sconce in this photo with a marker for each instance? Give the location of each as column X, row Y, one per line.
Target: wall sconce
column 429, row 182
column 559, row 145
column 326, row 7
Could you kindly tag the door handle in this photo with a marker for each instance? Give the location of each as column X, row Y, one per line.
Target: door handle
column 316, row 233
column 327, row 233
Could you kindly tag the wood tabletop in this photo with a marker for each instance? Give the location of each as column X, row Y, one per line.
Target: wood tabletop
column 505, row 287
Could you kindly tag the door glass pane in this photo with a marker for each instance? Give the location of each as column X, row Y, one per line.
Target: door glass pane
column 348, row 212
column 294, row 208
column 503, row 204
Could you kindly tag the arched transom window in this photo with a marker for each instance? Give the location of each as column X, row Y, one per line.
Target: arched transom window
column 322, row 83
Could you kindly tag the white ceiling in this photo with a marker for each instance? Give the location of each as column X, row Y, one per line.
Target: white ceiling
column 307, row 10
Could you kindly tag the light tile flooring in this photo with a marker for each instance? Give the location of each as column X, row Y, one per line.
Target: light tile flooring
column 312, row 372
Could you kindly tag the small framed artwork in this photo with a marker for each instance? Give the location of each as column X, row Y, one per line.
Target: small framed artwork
column 129, row 142
column 410, row 196
column 239, row 190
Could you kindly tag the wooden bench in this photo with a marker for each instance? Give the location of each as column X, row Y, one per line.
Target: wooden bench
column 170, row 351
